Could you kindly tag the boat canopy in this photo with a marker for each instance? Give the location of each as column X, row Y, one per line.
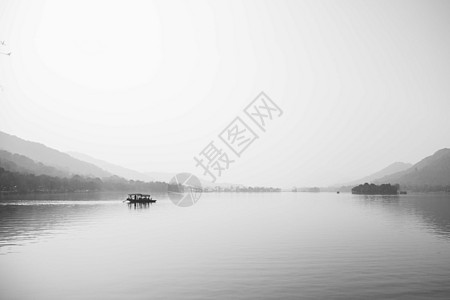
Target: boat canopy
column 138, row 196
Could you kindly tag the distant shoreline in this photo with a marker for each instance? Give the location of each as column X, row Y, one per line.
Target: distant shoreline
column 120, row 195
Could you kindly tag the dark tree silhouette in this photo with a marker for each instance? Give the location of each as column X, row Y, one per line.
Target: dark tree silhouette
column 373, row 189
column 28, row 183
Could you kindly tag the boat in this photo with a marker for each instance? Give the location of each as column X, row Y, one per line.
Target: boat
column 140, row 198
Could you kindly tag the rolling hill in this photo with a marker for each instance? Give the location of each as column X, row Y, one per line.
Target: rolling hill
column 389, row 170
column 50, row 157
column 135, row 175
column 433, row 170
column 113, row 168
column 18, row 163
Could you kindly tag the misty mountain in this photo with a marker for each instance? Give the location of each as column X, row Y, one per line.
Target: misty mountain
column 433, row 170
column 113, row 168
column 15, row 182
column 389, row 170
column 167, row 177
column 18, row 163
column 161, row 176
column 50, row 157
column 127, row 173
column 34, row 158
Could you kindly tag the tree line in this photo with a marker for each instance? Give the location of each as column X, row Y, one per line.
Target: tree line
column 15, row 182
column 373, row 189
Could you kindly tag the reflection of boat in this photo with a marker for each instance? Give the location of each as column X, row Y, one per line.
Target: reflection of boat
column 140, row 198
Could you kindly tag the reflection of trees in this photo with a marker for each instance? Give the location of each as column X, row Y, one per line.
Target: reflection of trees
column 29, row 221
column 433, row 210
column 46, row 214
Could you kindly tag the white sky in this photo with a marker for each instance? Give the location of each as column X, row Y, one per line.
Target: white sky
column 148, row 85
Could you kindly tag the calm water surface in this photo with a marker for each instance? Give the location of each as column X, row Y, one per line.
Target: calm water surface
column 227, row 246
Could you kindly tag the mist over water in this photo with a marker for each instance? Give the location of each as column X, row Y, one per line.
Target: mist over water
column 245, row 115
column 246, row 246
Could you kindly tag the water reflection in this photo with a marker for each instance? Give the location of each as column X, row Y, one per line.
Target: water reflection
column 382, row 198
column 22, row 222
column 319, row 246
column 433, row 210
column 30, row 218
column 10, row 198
column 139, row 205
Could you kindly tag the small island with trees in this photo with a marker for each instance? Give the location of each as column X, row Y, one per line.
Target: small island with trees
column 373, row 189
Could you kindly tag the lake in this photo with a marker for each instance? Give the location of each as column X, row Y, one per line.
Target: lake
column 226, row 246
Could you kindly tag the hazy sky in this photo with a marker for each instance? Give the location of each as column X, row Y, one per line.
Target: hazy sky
column 148, row 85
